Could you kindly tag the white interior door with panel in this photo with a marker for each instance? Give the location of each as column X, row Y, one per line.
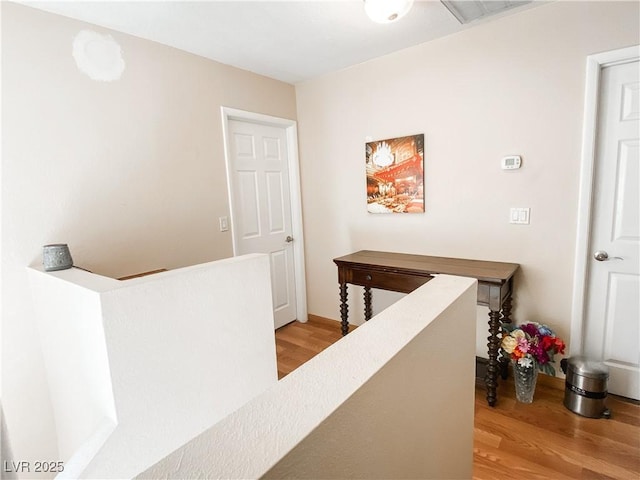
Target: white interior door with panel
column 611, row 330
column 262, row 208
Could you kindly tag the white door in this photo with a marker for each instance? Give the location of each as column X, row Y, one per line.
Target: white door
column 261, row 213
column 612, row 316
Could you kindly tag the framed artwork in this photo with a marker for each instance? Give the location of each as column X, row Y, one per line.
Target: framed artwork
column 395, row 175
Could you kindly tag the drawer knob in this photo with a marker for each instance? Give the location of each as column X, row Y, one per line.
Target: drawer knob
column 369, row 277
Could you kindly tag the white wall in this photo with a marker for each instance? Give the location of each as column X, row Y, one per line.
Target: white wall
column 393, row 399
column 137, row 368
column 511, row 86
column 130, row 174
column 68, row 309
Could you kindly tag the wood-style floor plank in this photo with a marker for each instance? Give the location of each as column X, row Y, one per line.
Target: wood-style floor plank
column 542, row 440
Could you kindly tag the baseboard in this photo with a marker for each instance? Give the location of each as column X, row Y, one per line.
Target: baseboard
column 317, row 318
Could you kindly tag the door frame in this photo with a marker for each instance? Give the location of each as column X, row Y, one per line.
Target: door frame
column 291, row 129
column 595, row 64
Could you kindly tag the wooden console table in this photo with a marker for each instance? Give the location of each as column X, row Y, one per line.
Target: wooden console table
column 400, row 272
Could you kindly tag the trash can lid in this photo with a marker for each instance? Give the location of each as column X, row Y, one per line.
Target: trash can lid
column 587, row 368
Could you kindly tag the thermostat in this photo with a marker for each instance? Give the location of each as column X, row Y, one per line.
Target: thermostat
column 511, row 162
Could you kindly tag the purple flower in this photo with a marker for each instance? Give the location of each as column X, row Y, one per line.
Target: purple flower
column 530, row 329
column 539, row 353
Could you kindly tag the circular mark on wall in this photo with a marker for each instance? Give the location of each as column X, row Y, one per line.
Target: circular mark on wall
column 98, row 56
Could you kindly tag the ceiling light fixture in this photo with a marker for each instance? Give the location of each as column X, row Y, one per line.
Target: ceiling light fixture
column 387, row 11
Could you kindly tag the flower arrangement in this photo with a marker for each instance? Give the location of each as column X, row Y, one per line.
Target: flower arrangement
column 532, row 345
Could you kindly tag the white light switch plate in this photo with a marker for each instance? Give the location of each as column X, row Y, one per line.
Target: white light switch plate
column 224, row 224
column 519, row 216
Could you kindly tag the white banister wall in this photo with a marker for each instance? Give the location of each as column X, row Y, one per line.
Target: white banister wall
column 393, row 399
column 70, row 324
column 139, row 367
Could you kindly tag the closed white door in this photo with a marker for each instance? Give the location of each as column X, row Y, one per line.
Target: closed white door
column 261, row 214
column 612, row 323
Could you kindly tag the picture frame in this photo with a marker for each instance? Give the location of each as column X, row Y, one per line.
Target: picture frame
column 395, row 175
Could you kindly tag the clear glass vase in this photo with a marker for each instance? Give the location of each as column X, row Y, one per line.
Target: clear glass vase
column 525, row 381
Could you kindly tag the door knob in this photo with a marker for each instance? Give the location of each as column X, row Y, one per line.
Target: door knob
column 289, row 239
column 601, row 256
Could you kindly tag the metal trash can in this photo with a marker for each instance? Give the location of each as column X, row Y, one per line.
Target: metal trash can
column 585, row 387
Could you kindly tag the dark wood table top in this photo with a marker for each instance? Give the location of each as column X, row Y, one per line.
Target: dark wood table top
column 491, row 272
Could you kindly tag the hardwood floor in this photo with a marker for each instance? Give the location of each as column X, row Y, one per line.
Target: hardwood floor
column 298, row 342
column 543, row 440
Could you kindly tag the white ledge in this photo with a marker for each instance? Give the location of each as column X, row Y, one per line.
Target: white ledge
column 138, row 367
column 393, row 399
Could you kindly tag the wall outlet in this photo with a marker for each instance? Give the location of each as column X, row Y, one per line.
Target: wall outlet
column 224, row 224
column 519, row 216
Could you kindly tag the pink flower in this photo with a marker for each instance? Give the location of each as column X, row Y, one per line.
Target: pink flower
column 523, row 345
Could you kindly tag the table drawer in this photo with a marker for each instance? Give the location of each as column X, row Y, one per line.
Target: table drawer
column 397, row 282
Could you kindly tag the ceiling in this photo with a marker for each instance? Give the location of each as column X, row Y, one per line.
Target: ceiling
column 292, row 41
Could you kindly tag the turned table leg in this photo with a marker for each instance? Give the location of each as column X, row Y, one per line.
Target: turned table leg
column 506, row 310
column 367, row 304
column 506, row 318
column 491, row 378
column 344, row 309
